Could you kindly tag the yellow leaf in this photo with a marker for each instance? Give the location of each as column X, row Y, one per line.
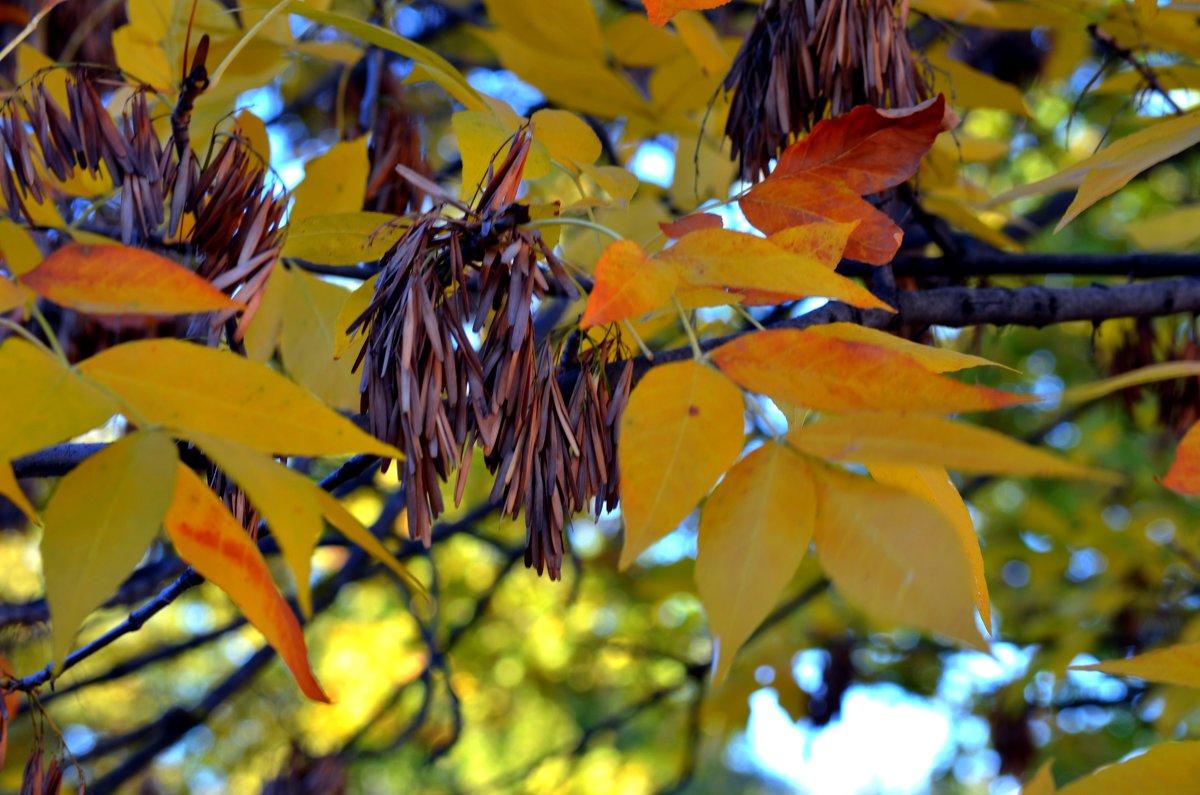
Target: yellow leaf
column 21, row 254
column 194, row 389
column 31, row 61
column 894, row 555
column 334, row 182
column 933, row 484
column 836, row 375
column 702, row 41
column 933, row 441
column 117, row 279
column 619, row 183
column 635, row 41
column 343, row 238
column 345, row 523
column 262, row 335
column 958, row 214
column 1174, row 229
column 968, row 87
column 939, row 360
column 1165, row 769
column 351, row 310
column 253, row 131
column 823, row 242
column 13, row 295
column 978, row 11
column 215, row 545
column 1041, row 784
column 566, row 136
column 1149, row 374
column 628, row 285
column 10, row 488
column 484, row 138
column 758, row 270
column 754, row 531
column 285, row 499
column 99, row 523
column 44, row 401
column 435, row 66
column 1174, row 665
column 309, row 340
column 564, row 27
column 142, row 58
column 682, row 429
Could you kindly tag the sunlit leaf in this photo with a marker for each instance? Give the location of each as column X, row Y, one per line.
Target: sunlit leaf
column 661, row 11
column 343, row 238
column 1042, row 782
column 691, row 223
column 754, row 531
column 215, row 545
column 566, row 27
column 629, row 284
column 334, row 182
column 122, row 280
column 934, row 485
column 1151, row 373
column 191, row 388
column 345, row 523
column 565, row 135
column 837, row 375
column 309, row 340
column 939, row 360
column 894, row 555
column 1165, row 769
column 99, row 524
column 13, row 295
column 351, row 310
column 682, row 429
column 932, row 441
column 18, row 249
column 44, row 401
column 1173, row 665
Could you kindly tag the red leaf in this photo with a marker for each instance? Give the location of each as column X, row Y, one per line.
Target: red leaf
column 661, row 11
column 823, row 176
column 118, row 280
column 691, row 223
column 1184, row 474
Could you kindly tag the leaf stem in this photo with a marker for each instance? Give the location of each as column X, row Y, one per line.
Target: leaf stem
column 23, row 332
column 51, row 336
column 640, row 342
column 697, row 353
column 576, row 222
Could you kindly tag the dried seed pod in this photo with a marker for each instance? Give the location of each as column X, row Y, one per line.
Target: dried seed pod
column 804, row 58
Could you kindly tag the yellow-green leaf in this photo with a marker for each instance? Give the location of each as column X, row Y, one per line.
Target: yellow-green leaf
column 351, row 310
column 343, row 238
column 682, row 429
column 894, row 555
column 334, row 182
column 754, row 531
column 1167, row 231
column 99, row 523
column 215, row 545
column 922, row 439
column 567, row 137
column 1149, row 374
column 1042, row 783
column 309, row 340
column 20, row 253
column 194, row 389
column 285, row 498
column 44, row 401
column 934, row 485
column 1165, row 769
column 1174, row 665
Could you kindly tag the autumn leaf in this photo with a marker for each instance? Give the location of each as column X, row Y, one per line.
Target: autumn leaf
column 681, row 430
column 1184, row 474
column 342, row 238
column 334, row 182
column 754, row 531
column 922, row 439
column 193, row 389
column 824, row 176
column 115, row 279
column 837, row 375
column 99, row 524
column 933, row 485
column 310, row 338
column 1164, row 769
column 19, row 251
column 351, row 310
column 1152, row 373
column 823, row 242
column 939, row 360
column 1173, row 665
column 13, row 295
column 1042, row 782
column 215, row 545
column 692, row 223
column 661, row 11
column 894, row 555
column 345, row 523
column 10, row 488
column 628, row 284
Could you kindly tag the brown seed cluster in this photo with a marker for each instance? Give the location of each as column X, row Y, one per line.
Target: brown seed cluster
column 451, row 362
column 805, row 58
column 236, row 233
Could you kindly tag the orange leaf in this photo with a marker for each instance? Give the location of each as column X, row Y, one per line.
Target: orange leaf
column 628, row 284
column 118, row 280
column 838, row 375
column 824, row 176
column 661, row 11
column 691, row 223
column 1184, row 474
column 214, row 544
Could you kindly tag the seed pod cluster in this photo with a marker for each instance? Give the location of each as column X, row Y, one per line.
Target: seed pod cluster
column 804, row 58
column 237, row 232
column 451, row 363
